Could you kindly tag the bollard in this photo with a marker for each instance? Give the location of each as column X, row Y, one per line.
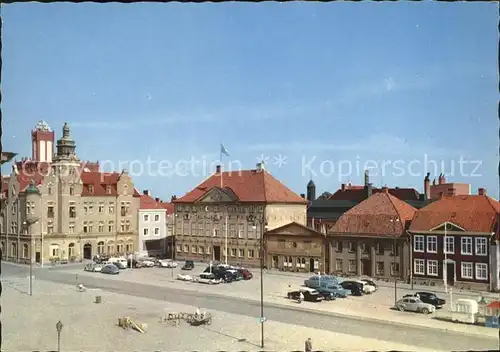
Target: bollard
column 98, row 299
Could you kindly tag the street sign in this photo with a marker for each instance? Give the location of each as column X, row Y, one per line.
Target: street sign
column 262, row 319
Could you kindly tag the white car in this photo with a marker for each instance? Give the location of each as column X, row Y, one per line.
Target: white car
column 208, row 278
column 167, row 264
column 184, row 277
column 96, row 268
column 414, row 304
column 367, row 288
column 147, row 263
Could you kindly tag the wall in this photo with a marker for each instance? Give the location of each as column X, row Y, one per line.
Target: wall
column 151, row 225
column 281, row 214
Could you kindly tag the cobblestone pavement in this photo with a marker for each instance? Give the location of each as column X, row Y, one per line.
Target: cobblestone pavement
column 376, row 306
column 88, row 326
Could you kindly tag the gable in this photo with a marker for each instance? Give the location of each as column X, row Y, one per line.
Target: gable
column 293, row 229
column 217, row 195
column 449, row 226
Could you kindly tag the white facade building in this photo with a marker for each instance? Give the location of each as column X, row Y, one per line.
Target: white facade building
column 152, row 226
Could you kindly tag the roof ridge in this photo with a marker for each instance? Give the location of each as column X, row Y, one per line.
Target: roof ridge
column 395, row 207
column 264, row 173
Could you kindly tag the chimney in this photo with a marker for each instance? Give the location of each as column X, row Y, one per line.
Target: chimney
column 385, row 190
column 260, row 166
column 434, row 182
column 145, row 192
column 174, row 197
column 369, row 190
column 342, row 187
column 440, row 179
column 303, row 195
column 427, row 186
column 481, row 191
column 157, row 200
column 217, row 169
column 443, row 179
column 367, row 178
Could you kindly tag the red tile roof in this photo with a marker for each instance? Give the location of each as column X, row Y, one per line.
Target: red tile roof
column 148, row 203
column 358, row 193
column 248, row 185
column 494, row 305
column 474, row 213
column 373, row 217
column 29, row 170
column 100, row 181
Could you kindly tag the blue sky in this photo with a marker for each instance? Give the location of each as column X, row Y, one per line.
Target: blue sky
column 321, row 84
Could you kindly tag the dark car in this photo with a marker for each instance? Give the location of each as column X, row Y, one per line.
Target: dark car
column 110, row 269
column 430, row 298
column 328, row 296
column 247, row 275
column 132, row 263
column 188, row 265
column 237, row 276
column 355, row 287
column 310, row 295
column 220, row 273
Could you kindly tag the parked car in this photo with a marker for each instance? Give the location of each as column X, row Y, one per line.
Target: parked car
column 167, row 264
column 184, row 277
column 208, row 278
column 414, row 304
column 247, row 275
column 220, row 273
column 120, row 264
column 235, row 273
column 430, row 298
column 147, row 262
column 110, row 269
column 370, row 282
column 188, row 265
column 355, row 287
column 327, row 296
column 310, row 295
column 335, row 289
column 317, row 280
column 366, row 287
column 93, row 268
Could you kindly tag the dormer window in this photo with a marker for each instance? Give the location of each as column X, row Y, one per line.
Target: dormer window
column 108, row 189
column 91, row 189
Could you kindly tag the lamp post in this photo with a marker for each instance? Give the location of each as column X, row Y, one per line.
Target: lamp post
column 6, row 157
column 394, row 221
column 59, row 327
column 27, row 226
column 262, row 226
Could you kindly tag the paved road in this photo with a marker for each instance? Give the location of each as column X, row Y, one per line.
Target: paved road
column 417, row 336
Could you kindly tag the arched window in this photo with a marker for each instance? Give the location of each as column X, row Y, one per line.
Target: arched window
column 129, row 247
column 111, row 247
column 100, row 247
column 71, row 249
column 25, row 251
column 13, row 249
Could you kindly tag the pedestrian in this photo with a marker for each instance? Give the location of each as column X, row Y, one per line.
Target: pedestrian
column 309, row 346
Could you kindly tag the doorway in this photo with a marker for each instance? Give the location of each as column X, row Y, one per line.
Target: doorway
column 217, row 253
column 312, row 269
column 38, row 257
column 87, row 251
column 275, row 262
column 450, row 273
column 366, row 267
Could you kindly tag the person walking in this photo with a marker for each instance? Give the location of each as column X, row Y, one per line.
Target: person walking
column 308, row 346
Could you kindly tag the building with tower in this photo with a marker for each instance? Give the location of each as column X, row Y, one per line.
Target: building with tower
column 60, row 208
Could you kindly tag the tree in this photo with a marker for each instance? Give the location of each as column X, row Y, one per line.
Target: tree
column 325, row 195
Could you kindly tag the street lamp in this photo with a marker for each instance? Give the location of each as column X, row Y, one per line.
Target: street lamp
column 263, row 225
column 27, row 226
column 59, row 327
column 394, row 221
column 6, row 157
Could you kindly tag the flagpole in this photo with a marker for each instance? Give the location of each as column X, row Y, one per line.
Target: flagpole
column 445, row 266
column 225, row 242
column 220, row 159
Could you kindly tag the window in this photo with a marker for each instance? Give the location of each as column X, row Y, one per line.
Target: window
column 91, row 189
column 419, row 266
column 108, row 189
column 157, row 217
column 432, row 268
column 241, row 231
column 90, row 226
column 127, row 225
column 450, row 245
column 111, row 208
column 352, row 246
column 85, row 227
column 352, row 266
column 338, row 246
column 467, row 271
column 110, row 226
column 101, row 208
column 394, row 269
column 146, row 218
column 71, row 228
column 186, row 248
column 241, row 252
column 233, row 252
column 25, row 251
column 394, row 250
column 216, row 232
column 13, row 249
column 101, row 227
column 194, row 249
column 481, row 271
column 178, row 248
column 365, row 248
column 50, row 228
column 49, row 191
column 50, row 211
column 467, row 245
column 122, row 226
column 129, row 248
column 379, row 249
column 72, row 211
column 157, row 230
column 380, row 268
column 123, row 209
column 251, row 253
column 71, row 249
column 100, row 247
column 145, row 232
column 338, row 265
column 432, row 244
column 418, row 243
column 481, row 246
column 72, row 191
column 54, row 250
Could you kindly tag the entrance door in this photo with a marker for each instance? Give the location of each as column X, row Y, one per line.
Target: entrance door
column 275, row 262
column 38, row 257
column 312, row 269
column 366, row 267
column 87, row 251
column 217, row 253
column 450, row 273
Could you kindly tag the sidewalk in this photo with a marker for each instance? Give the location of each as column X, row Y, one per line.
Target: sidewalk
column 366, row 307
